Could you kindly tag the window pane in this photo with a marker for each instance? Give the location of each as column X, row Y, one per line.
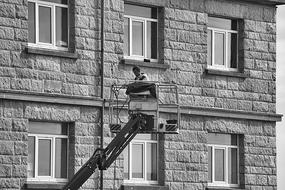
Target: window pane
column 48, row 128
column 126, row 162
column 222, row 139
column 219, row 165
column 137, row 38
column 209, row 47
column 220, row 23
column 44, row 159
column 31, row 157
column 126, row 37
column 137, row 163
column 31, row 18
column 146, row 137
column 44, row 24
column 151, row 161
column 233, row 166
column 219, row 48
column 61, row 27
column 61, row 158
column 232, row 53
column 146, row 12
column 209, row 164
column 151, row 40
column 58, row 1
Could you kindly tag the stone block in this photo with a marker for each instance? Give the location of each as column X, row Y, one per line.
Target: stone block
column 21, row 35
column 260, row 106
column 170, row 155
column 272, row 180
column 5, row 171
column 19, row 171
column 5, row 124
column 6, row 33
column 183, row 156
column 6, row 148
column 52, row 86
column 22, row 12
column 20, row 125
column 21, row 148
column 9, row 183
column 176, row 185
column 7, row 10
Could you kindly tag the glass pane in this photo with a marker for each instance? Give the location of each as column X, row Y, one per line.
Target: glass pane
column 222, row 139
column 137, row 38
column 48, row 128
column 61, row 158
column 232, row 53
column 126, row 37
column 137, row 163
column 151, row 40
column 219, row 48
column 219, row 165
column 146, row 12
column 209, row 47
column 126, row 162
column 233, row 166
column 31, row 20
column 58, row 1
column 220, row 23
column 151, row 161
column 31, row 157
column 44, row 159
column 146, row 137
column 209, row 164
column 44, row 24
column 61, row 27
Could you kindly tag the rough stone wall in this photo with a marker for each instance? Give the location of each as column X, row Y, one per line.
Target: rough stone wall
column 184, row 35
column 49, row 74
column 14, row 124
column 185, row 51
column 186, row 156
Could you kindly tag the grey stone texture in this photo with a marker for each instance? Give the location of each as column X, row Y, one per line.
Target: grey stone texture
column 183, row 46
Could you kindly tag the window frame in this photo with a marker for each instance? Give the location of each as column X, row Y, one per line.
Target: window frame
column 53, row 138
column 226, row 148
column 53, row 7
column 226, row 32
column 132, row 180
column 144, row 20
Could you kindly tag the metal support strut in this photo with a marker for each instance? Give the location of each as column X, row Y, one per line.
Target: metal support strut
column 103, row 158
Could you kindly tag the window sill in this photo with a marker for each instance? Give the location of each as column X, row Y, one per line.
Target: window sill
column 225, row 73
column 44, row 185
column 144, row 64
column 143, row 187
column 56, row 53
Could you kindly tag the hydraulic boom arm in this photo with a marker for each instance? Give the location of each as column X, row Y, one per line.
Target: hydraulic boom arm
column 103, row 158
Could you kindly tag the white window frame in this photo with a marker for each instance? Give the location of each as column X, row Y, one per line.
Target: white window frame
column 51, row 178
column 227, row 65
column 144, row 179
column 226, row 169
column 144, row 21
column 52, row 6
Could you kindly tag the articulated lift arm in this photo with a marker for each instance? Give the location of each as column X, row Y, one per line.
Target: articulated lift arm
column 103, row 158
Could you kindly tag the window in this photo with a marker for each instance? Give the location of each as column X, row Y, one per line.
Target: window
column 47, row 152
column 48, row 24
column 223, row 160
column 222, row 44
column 140, row 159
column 140, row 32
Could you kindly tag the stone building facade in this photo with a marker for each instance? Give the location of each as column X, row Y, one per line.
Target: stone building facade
column 221, row 55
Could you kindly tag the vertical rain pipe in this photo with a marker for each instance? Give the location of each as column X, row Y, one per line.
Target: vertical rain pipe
column 102, row 87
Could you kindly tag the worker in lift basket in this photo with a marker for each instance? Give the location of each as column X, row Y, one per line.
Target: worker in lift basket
column 138, row 74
